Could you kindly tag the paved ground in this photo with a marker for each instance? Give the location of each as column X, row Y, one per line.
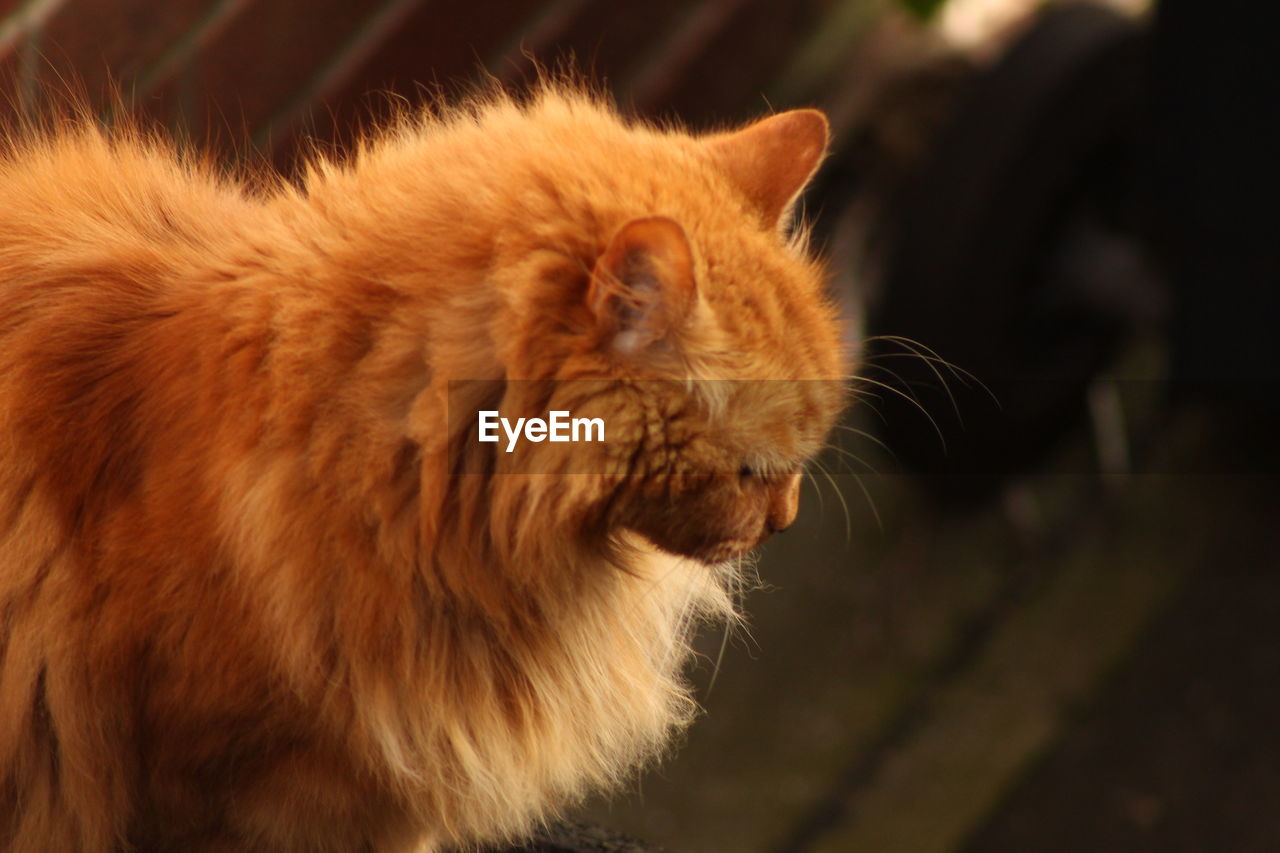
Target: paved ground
column 1182, row 752
column 1089, row 663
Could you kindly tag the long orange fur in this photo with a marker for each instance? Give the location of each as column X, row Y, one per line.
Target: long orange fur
column 249, row 597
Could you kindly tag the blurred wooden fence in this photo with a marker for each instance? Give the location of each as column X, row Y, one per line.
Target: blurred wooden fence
column 270, row 70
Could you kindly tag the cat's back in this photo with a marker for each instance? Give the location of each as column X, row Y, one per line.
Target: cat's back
column 105, row 242
column 83, row 199
column 103, row 235
column 100, row 233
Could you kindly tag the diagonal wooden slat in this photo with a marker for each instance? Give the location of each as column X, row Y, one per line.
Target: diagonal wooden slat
column 665, row 65
column 99, row 47
column 535, row 36
column 21, row 34
column 183, row 49
column 342, row 65
column 254, row 62
column 440, row 47
column 19, row 18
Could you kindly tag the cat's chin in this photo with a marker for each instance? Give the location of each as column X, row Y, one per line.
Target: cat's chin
column 713, row 554
column 726, row 551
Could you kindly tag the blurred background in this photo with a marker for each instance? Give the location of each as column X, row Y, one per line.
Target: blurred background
column 1032, row 602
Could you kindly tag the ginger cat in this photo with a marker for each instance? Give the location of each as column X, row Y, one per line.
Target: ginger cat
column 261, row 588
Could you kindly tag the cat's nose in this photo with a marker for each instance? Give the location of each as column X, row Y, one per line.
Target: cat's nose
column 784, row 503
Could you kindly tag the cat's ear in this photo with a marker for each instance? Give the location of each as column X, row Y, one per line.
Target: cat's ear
column 772, row 160
column 643, row 285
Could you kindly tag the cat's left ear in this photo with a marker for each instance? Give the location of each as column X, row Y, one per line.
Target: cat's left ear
column 643, row 285
column 772, row 160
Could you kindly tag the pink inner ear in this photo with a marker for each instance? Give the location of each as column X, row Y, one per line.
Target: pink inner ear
column 643, row 284
column 772, row 160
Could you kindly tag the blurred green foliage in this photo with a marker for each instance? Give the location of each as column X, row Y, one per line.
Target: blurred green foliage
column 923, row 9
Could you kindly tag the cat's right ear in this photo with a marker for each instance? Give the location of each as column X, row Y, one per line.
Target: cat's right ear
column 773, row 160
column 643, row 285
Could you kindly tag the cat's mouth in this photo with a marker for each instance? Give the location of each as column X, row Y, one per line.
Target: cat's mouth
column 721, row 523
column 712, row 552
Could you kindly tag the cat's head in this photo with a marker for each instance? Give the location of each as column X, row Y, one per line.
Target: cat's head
column 701, row 334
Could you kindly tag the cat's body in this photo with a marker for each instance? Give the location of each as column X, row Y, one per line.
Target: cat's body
column 249, row 600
